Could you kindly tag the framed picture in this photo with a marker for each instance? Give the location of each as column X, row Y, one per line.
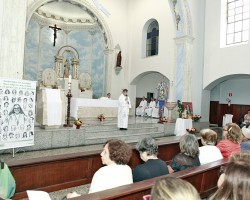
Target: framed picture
column 189, row 107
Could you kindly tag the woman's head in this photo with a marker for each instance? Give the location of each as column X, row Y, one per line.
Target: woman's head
column 232, row 132
column 116, row 151
column 208, row 137
column 236, row 181
column 173, row 189
column 189, row 145
column 147, row 146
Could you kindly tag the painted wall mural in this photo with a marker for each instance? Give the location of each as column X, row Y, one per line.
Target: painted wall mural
column 40, row 53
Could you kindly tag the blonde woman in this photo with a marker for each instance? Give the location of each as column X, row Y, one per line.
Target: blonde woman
column 209, row 152
column 234, row 183
column 173, row 189
column 231, row 144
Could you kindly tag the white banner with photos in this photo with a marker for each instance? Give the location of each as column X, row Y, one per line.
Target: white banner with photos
column 17, row 113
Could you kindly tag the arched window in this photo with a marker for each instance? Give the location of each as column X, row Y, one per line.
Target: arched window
column 152, row 39
column 235, row 22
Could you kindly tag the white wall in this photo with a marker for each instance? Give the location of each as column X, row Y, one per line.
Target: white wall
column 139, row 13
column 148, row 84
column 220, row 62
column 238, row 87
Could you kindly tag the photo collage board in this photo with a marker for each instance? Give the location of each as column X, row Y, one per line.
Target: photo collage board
column 17, row 113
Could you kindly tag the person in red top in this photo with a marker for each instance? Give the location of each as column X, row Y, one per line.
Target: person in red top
column 231, row 144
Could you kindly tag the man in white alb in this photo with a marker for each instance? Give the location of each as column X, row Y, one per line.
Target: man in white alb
column 149, row 109
column 140, row 109
column 123, row 110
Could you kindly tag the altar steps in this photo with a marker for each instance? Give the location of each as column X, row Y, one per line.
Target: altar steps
column 100, row 134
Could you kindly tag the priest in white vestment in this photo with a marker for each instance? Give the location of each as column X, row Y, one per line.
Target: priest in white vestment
column 149, row 109
column 140, row 109
column 123, row 110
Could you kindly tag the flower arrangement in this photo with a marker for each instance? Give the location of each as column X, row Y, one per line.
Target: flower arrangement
column 101, row 117
column 191, row 130
column 181, row 108
column 163, row 119
column 196, row 118
column 78, row 122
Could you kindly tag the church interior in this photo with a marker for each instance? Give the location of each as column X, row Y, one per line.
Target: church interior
column 74, row 58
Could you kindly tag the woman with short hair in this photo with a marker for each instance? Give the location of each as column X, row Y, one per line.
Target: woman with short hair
column 115, row 155
column 209, row 152
column 153, row 166
column 189, row 155
column 231, row 144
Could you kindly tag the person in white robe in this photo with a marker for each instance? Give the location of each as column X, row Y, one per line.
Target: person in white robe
column 149, row 109
column 123, row 110
column 140, row 109
column 155, row 112
column 108, row 97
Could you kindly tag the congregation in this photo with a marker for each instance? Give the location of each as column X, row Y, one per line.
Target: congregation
column 116, row 171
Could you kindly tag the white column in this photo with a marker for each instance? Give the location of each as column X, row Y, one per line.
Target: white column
column 109, row 68
column 184, row 47
column 12, row 34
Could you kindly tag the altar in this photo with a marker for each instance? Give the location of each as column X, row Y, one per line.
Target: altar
column 181, row 125
column 92, row 108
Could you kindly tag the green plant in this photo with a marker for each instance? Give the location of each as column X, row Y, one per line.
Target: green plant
column 180, row 108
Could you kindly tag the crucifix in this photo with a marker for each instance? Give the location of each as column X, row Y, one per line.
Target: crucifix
column 55, row 31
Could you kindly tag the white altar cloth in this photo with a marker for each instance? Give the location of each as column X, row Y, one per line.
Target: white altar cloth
column 227, row 118
column 97, row 105
column 181, row 125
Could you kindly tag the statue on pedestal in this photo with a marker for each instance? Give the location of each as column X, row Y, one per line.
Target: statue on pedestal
column 66, row 69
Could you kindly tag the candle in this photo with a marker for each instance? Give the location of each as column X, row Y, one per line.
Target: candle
column 70, row 78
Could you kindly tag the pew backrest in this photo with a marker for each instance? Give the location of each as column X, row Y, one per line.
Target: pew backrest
column 204, row 178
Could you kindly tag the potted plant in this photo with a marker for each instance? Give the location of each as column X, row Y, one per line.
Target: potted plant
column 78, row 123
column 181, row 108
column 101, row 117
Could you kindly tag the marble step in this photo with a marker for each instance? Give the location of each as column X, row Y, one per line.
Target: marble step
column 114, row 126
column 117, row 131
column 127, row 138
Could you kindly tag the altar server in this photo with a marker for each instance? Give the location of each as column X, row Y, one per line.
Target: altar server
column 140, row 109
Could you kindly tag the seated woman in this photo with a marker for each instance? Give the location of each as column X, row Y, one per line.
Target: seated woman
column 209, row 152
column 234, row 183
column 189, row 156
column 153, row 166
column 245, row 141
column 173, row 189
column 231, row 143
column 7, row 182
column 116, row 154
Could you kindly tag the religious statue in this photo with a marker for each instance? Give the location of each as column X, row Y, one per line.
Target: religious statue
column 66, row 69
column 119, row 59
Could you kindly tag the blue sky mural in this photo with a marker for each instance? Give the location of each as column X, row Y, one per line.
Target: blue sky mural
column 90, row 48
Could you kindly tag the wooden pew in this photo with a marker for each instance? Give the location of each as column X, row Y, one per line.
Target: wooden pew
column 69, row 170
column 204, row 178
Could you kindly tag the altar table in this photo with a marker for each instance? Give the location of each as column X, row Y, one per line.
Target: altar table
column 181, row 125
column 89, row 108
